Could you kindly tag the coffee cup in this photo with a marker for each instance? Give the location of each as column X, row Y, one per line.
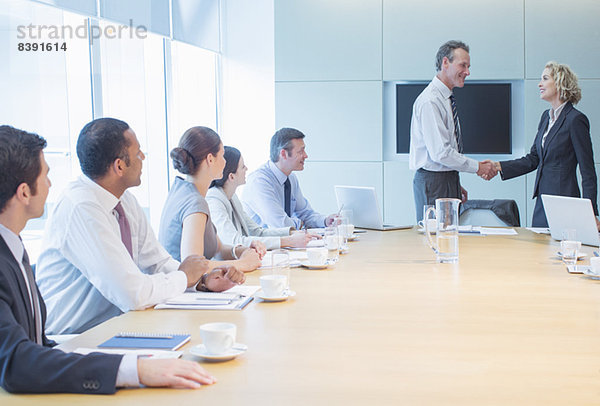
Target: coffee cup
column 317, row 256
column 218, row 338
column 273, row 285
column 595, row 265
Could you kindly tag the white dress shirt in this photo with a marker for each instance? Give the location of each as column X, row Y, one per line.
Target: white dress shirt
column 16, row 247
column 127, row 374
column 552, row 116
column 234, row 226
column 433, row 145
column 85, row 273
column 264, row 200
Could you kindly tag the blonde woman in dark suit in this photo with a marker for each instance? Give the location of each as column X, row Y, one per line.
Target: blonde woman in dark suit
column 563, row 141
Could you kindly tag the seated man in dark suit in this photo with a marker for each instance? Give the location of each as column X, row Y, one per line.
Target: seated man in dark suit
column 28, row 363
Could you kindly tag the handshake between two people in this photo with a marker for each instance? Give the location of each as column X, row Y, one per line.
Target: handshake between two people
column 488, row 169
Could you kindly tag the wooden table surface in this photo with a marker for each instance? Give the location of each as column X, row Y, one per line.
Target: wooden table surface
column 506, row 326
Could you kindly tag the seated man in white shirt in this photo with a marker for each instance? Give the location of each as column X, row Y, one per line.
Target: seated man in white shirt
column 28, row 363
column 99, row 256
column 272, row 196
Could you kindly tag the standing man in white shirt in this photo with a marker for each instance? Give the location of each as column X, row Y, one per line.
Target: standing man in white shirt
column 100, row 257
column 436, row 149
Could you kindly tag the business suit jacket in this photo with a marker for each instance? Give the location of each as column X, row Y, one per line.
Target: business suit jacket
column 28, row 367
column 567, row 144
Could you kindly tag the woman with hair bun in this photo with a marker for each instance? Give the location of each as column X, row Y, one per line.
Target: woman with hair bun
column 185, row 226
column 563, row 141
column 232, row 222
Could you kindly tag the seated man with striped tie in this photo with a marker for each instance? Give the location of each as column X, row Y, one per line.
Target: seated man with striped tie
column 99, row 256
column 436, row 150
column 28, row 363
column 272, row 196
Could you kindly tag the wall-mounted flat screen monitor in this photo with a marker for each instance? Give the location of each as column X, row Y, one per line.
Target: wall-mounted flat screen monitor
column 484, row 110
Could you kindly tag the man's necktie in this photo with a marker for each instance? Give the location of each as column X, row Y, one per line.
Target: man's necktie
column 37, row 312
column 125, row 229
column 457, row 132
column 287, row 194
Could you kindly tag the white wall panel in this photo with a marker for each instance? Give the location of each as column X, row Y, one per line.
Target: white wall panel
column 565, row 32
column 247, row 114
column 341, row 120
column 590, row 106
column 399, row 201
column 327, row 40
column 318, row 178
column 414, row 30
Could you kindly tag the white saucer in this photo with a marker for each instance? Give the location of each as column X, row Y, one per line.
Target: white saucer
column 422, row 230
column 308, row 265
column 588, row 272
column 200, row 351
column 287, row 294
column 352, row 237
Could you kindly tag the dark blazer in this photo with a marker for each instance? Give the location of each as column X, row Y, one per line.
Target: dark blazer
column 27, row 367
column 567, row 144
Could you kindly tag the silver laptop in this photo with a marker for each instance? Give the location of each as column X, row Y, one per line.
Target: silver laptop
column 571, row 213
column 365, row 209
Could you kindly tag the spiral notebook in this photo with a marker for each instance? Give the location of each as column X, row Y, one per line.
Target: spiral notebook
column 141, row 340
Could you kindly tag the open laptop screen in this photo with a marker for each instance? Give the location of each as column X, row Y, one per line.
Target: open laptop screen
column 567, row 213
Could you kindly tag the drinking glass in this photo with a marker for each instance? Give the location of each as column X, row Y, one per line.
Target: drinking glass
column 446, row 245
column 332, row 243
column 348, row 215
column 569, row 250
column 280, row 265
column 569, row 234
column 342, row 233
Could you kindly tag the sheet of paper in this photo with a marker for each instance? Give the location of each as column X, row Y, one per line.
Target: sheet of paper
column 235, row 298
column 496, row 231
column 539, row 230
column 157, row 354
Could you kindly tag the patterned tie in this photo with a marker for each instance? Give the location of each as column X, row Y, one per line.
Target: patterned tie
column 457, row 132
column 125, row 229
column 37, row 312
column 287, row 194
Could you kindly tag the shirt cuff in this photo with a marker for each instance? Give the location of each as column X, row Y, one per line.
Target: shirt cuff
column 127, row 375
column 473, row 165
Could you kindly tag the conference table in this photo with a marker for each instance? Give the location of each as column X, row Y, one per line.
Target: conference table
column 507, row 325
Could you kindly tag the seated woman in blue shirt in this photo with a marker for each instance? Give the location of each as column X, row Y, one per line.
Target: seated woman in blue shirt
column 234, row 226
column 185, row 225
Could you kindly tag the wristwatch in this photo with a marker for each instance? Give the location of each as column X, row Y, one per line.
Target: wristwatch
column 233, row 253
column 202, row 283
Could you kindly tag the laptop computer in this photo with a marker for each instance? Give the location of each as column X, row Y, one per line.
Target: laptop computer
column 571, row 213
column 365, row 209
